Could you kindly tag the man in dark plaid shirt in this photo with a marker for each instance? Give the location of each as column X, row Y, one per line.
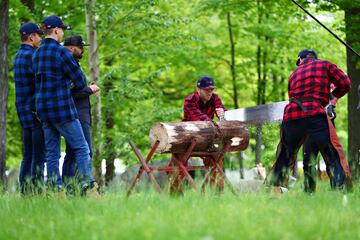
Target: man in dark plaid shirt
column 304, row 116
column 56, row 70
column 203, row 104
column 32, row 166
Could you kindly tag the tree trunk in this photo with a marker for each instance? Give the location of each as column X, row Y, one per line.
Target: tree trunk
column 94, row 77
column 109, row 150
column 282, row 91
column 258, row 145
column 30, row 4
column 260, row 90
column 210, row 136
column 258, row 67
column 4, row 38
column 352, row 26
column 232, row 64
column 233, row 77
column 264, row 74
column 241, row 164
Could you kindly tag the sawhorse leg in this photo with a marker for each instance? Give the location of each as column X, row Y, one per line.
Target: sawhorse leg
column 181, row 161
column 144, row 167
column 213, row 177
column 216, row 163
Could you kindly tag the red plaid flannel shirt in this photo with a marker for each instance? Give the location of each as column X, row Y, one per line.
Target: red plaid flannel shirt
column 312, row 79
column 196, row 110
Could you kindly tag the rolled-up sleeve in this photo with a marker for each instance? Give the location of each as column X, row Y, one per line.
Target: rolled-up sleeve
column 218, row 103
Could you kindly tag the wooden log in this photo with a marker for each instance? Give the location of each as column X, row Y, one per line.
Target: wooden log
column 210, row 136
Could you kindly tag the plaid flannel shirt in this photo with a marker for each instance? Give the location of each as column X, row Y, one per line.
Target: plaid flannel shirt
column 196, row 110
column 312, row 79
column 25, row 86
column 55, row 72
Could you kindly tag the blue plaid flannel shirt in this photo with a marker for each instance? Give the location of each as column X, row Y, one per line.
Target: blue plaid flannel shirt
column 55, row 71
column 25, row 86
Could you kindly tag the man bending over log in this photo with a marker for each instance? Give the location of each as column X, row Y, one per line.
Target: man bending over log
column 203, row 105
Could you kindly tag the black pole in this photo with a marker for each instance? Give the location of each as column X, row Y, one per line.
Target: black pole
column 308, row 13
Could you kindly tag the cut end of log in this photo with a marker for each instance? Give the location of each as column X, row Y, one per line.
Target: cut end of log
column 236, row 141
column 159, row 133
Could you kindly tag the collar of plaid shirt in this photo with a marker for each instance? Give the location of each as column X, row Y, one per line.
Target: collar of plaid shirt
column 49, row 40
column 26, row 47
column 307, row 60
column 203, row 105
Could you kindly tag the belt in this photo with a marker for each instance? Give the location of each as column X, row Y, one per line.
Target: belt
column 299, row 101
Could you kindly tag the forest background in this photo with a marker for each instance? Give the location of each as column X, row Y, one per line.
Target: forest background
column 147, row 55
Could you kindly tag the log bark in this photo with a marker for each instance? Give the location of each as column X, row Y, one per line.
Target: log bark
column 210, row 136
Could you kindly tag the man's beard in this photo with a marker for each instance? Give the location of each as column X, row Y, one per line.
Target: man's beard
column 78, row 56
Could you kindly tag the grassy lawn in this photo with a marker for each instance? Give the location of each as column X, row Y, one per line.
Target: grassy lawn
column 148, row 215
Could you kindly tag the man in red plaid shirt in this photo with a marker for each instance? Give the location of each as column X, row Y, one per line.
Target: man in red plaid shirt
column 304, row 116
column 203, row 104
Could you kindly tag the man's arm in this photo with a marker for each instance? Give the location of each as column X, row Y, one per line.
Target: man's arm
column 194, row 112
column 85, row 92
column 219, row 107
column 72, row 69
column 81, row 93
column 340, row 80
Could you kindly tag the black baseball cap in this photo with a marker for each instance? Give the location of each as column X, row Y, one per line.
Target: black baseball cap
column 306, row 53
column 75, row 40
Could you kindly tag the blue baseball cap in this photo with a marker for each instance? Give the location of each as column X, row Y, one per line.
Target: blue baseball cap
column 53, row 22
column 30, row 27
column 205, row 82
column 306, row 53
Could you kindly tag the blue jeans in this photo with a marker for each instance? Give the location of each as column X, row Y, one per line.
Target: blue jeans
column 32, row 164
column 73, row 134
column 69, row 168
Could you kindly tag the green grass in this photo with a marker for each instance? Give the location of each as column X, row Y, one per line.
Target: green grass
column 148, row 215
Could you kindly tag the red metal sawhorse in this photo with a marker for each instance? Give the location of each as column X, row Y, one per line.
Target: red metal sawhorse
column 178, row 166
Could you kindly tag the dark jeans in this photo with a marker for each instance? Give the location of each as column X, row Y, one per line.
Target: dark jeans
column 69, row 169
column 72, row 132
column 310, row 153
column 293, row 134
column 32, row 166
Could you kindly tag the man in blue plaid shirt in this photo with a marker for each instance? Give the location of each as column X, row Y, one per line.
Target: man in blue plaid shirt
column 56, row 73
column 32, row 166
